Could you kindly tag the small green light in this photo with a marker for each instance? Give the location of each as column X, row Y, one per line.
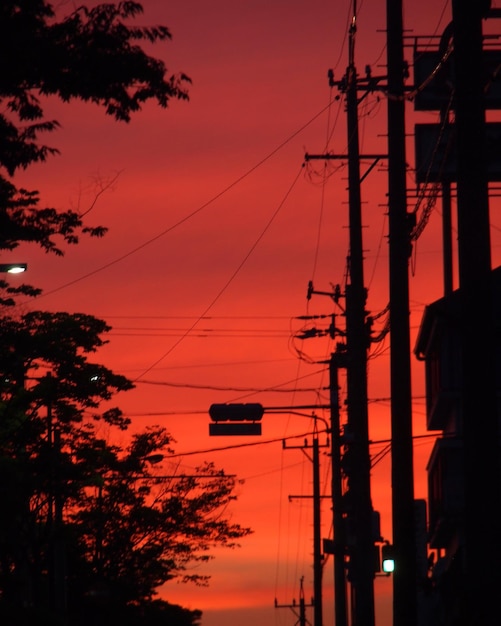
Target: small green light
column 387, row 559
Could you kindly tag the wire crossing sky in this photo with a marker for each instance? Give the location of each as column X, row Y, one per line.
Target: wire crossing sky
column 217, row 224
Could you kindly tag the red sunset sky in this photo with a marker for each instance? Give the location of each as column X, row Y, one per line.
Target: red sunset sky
column 215, row 228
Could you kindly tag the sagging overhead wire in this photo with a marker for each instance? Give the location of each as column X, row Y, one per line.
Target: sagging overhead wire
column 274, row 389
column 189, row 216
column 228, row 282
column 243, row 445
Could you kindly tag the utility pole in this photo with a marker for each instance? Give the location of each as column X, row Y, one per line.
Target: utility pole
column 402, row 471
column 317, row 547
column 357, row 503
column 340, row 597
column 361, row 569
column 299, row 609
column 481, row 431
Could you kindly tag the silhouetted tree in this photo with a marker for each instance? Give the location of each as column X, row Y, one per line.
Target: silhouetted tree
column 158, row 613
column 92, row 55
column 139, row 528
column 88, row 528
column 46, row 386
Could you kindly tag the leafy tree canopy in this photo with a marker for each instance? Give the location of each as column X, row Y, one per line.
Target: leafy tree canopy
column 45, row 362
column 86, row 520
column 123, row 523
column 92, row 54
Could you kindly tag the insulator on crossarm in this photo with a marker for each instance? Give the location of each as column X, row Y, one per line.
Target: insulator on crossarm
column 310, row 290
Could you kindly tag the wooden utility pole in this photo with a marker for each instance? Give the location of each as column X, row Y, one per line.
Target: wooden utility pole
column 402, row 471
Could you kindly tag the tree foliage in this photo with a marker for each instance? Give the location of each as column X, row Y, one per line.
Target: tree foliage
column 95, row 518
column 89, row 529
column 94, row 55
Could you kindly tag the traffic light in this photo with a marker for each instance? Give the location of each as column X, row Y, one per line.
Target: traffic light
column 236, row 419
column 250, row 412
column 387, row 558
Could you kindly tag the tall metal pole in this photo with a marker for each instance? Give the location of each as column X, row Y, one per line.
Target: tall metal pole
column 481, row 430
column 361, row 552
column 402, row 472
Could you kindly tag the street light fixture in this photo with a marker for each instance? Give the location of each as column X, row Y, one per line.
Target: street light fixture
column 13, row 268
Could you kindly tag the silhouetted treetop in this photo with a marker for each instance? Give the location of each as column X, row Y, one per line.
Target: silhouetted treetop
column 58, row 343
column 93, row 55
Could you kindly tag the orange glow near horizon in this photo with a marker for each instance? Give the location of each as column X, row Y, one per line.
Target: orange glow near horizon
column 216, row 225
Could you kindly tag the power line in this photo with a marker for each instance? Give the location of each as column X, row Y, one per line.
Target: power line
column 212, row 365
column 230, row 279
column 250, row 444
column 204, row 317
column 243, row 445
column 201, row 333
column 187, row 217
column 236, row 389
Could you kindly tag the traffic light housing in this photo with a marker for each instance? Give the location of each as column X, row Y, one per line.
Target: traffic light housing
column 249, row 412
column 236, row 419
column 387, row 558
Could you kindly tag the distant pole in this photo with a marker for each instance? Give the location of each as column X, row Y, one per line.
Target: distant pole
column 317, row 548
column 402, row 472
column 317, row 525
column 481, row 433
column 298, row 610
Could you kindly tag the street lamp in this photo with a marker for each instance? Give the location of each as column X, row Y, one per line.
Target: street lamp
column 13, row 268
